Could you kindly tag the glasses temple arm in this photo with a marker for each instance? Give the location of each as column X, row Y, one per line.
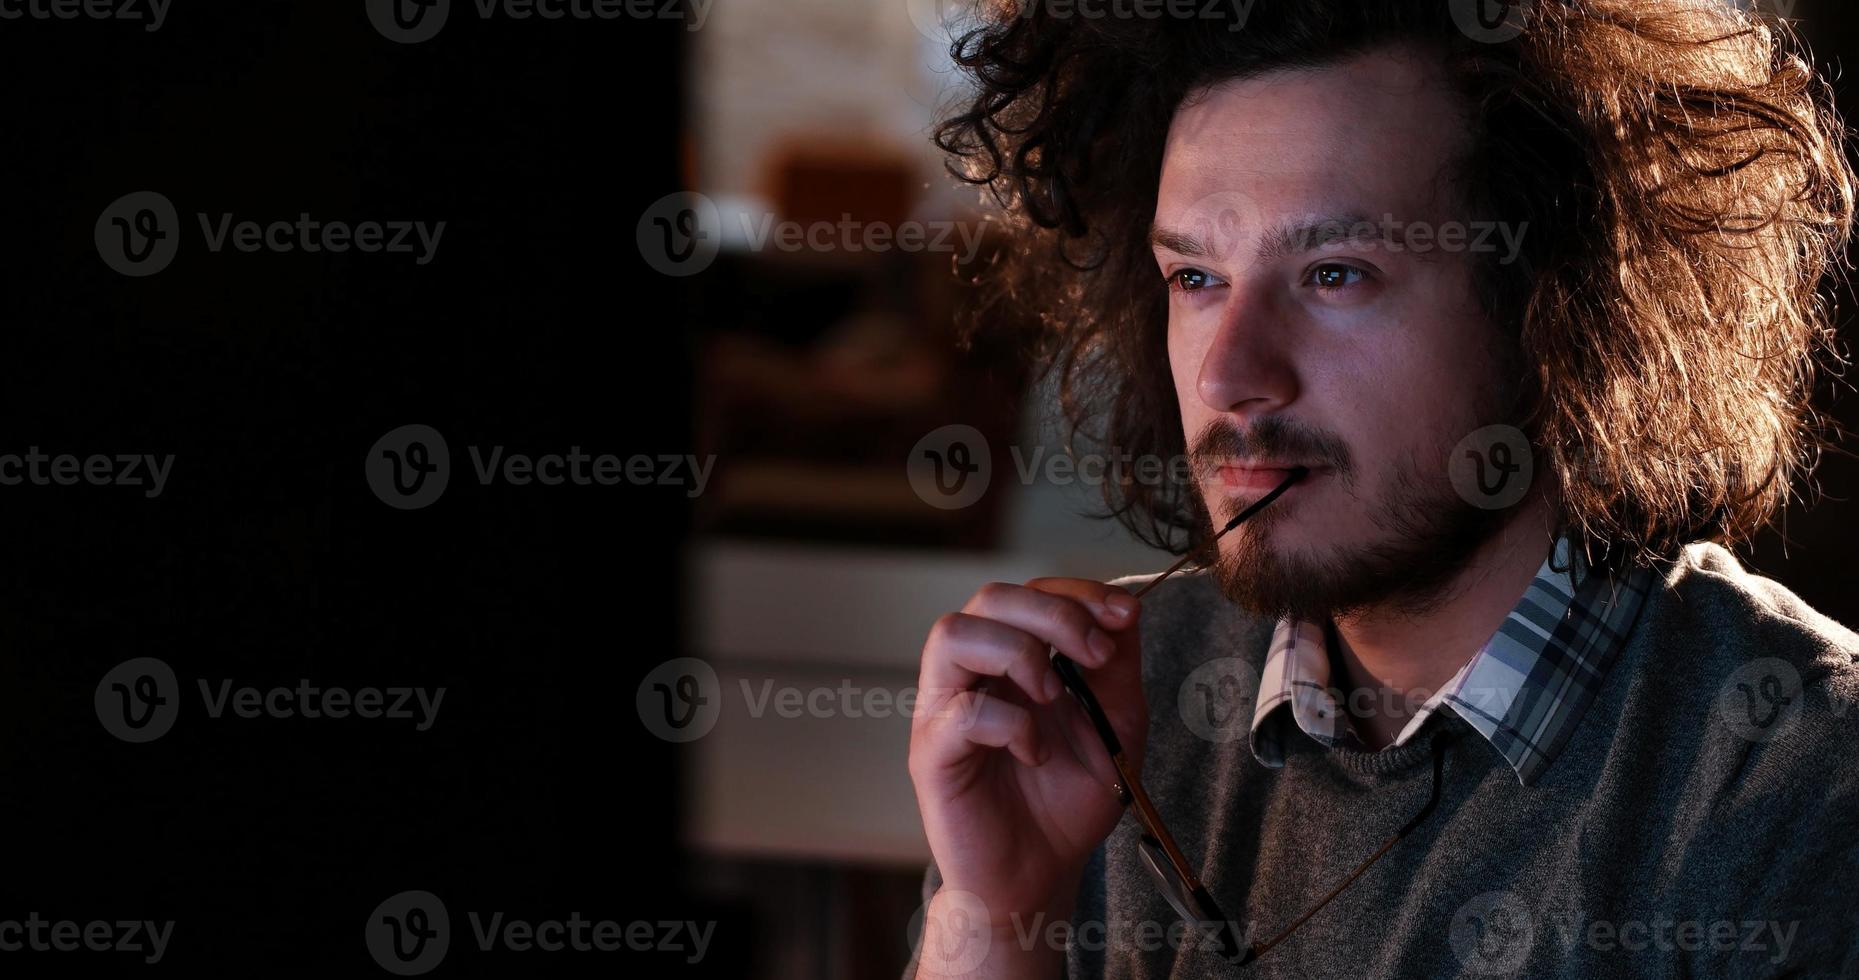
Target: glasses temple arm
column 1439, row 762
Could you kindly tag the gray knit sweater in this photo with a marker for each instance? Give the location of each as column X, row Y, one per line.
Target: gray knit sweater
column 1669, row 838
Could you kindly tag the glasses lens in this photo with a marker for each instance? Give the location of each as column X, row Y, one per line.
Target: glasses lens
column 1173, row 888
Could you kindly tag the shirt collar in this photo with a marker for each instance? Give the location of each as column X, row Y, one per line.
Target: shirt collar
column 1524, row 690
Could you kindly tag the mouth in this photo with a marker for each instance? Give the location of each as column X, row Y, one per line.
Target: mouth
column 1249, row 480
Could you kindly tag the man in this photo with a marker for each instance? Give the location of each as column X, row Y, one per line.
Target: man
column 1532, row 305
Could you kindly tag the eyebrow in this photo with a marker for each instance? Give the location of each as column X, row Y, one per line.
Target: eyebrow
column 1291, row 238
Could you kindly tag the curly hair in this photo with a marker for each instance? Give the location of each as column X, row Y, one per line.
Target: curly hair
column 1680, row 166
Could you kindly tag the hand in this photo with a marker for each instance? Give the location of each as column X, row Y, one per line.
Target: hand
column 1014, row 785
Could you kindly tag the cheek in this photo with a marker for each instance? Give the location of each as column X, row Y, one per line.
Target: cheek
column 1422, row 361
column 1388, row 404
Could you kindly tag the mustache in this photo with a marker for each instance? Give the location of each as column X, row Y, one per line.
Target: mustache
column 1271, row 437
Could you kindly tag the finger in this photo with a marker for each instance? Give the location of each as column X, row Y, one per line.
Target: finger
column 1062, row 621
column 963, row 650
column 973, row 720
column 1126, row 663
column 1114, row 606
column 1117, row 685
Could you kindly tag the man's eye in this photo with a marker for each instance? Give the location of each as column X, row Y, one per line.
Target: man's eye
column 1188, row 280
column 1334, row 276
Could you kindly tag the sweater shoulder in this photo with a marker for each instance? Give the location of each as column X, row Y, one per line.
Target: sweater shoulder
column 1771, row 684
column 1740, row 616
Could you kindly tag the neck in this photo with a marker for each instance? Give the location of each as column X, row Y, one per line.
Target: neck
column 1390, row 661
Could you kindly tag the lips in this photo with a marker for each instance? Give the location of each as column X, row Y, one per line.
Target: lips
column 1257, row 479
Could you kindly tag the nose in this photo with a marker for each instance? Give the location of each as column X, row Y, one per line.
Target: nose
column 1247, row 368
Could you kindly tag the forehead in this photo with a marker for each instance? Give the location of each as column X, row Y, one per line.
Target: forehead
column 1369, row 133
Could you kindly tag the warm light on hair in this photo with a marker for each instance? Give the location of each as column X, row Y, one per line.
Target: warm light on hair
column 1679, row 165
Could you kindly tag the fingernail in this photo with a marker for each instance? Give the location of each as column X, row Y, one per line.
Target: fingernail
column 1122, row 603
column 1054, row 686
column 1101, row 644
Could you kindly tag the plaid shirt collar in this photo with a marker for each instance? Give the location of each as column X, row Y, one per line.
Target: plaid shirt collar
column 1524, row 690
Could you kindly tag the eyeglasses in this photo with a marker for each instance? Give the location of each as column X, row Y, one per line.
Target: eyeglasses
column 1160, row 853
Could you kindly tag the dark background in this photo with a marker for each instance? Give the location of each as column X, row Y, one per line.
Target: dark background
column 537, row 793
column 267, row 559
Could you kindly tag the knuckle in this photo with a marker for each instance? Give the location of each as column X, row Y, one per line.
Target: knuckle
column 1070, row 617
column 942, row 631
column 920, row 768
column 958, row 705
column 1031, row 650
column 992, row 593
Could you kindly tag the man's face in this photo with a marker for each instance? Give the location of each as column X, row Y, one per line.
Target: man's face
column 1364, row 358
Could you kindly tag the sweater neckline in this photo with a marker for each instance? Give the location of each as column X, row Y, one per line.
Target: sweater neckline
column 1399, row 760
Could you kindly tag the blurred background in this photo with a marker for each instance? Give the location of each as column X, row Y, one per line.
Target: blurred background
column 574, row 770
column 814, row 564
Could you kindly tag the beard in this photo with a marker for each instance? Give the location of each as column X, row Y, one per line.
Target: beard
column 1425, row 530
column 1426, row 534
